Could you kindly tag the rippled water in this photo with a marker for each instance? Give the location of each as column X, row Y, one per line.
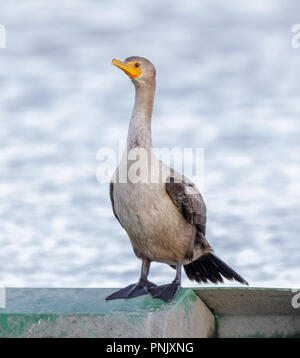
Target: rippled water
column 228, row 81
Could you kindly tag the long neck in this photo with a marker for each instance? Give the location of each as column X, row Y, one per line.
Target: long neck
column 139, row 132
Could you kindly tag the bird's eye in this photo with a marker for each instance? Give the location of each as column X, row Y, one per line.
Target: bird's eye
column 137, row 64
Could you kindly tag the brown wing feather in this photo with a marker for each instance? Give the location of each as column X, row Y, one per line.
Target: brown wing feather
column 187, row 198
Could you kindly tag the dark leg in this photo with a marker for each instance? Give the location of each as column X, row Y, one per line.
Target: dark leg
column 138, row 289
column 168, row 292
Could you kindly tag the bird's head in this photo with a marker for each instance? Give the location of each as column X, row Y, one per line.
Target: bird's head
column 139, row 69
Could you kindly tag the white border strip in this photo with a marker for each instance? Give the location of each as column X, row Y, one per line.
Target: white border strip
column 2, row 297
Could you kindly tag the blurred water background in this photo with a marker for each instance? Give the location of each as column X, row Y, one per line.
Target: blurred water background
column 227, row 81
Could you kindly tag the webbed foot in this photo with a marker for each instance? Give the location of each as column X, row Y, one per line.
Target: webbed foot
column 166, row 292
column 138, row 289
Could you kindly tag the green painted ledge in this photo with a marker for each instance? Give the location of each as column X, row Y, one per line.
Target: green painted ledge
column 80, row 312
column 198, row 312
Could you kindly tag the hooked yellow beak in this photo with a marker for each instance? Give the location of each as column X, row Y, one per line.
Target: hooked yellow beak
column 128, row 67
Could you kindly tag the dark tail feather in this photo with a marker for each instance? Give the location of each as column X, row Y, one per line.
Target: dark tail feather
column 210, row 268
